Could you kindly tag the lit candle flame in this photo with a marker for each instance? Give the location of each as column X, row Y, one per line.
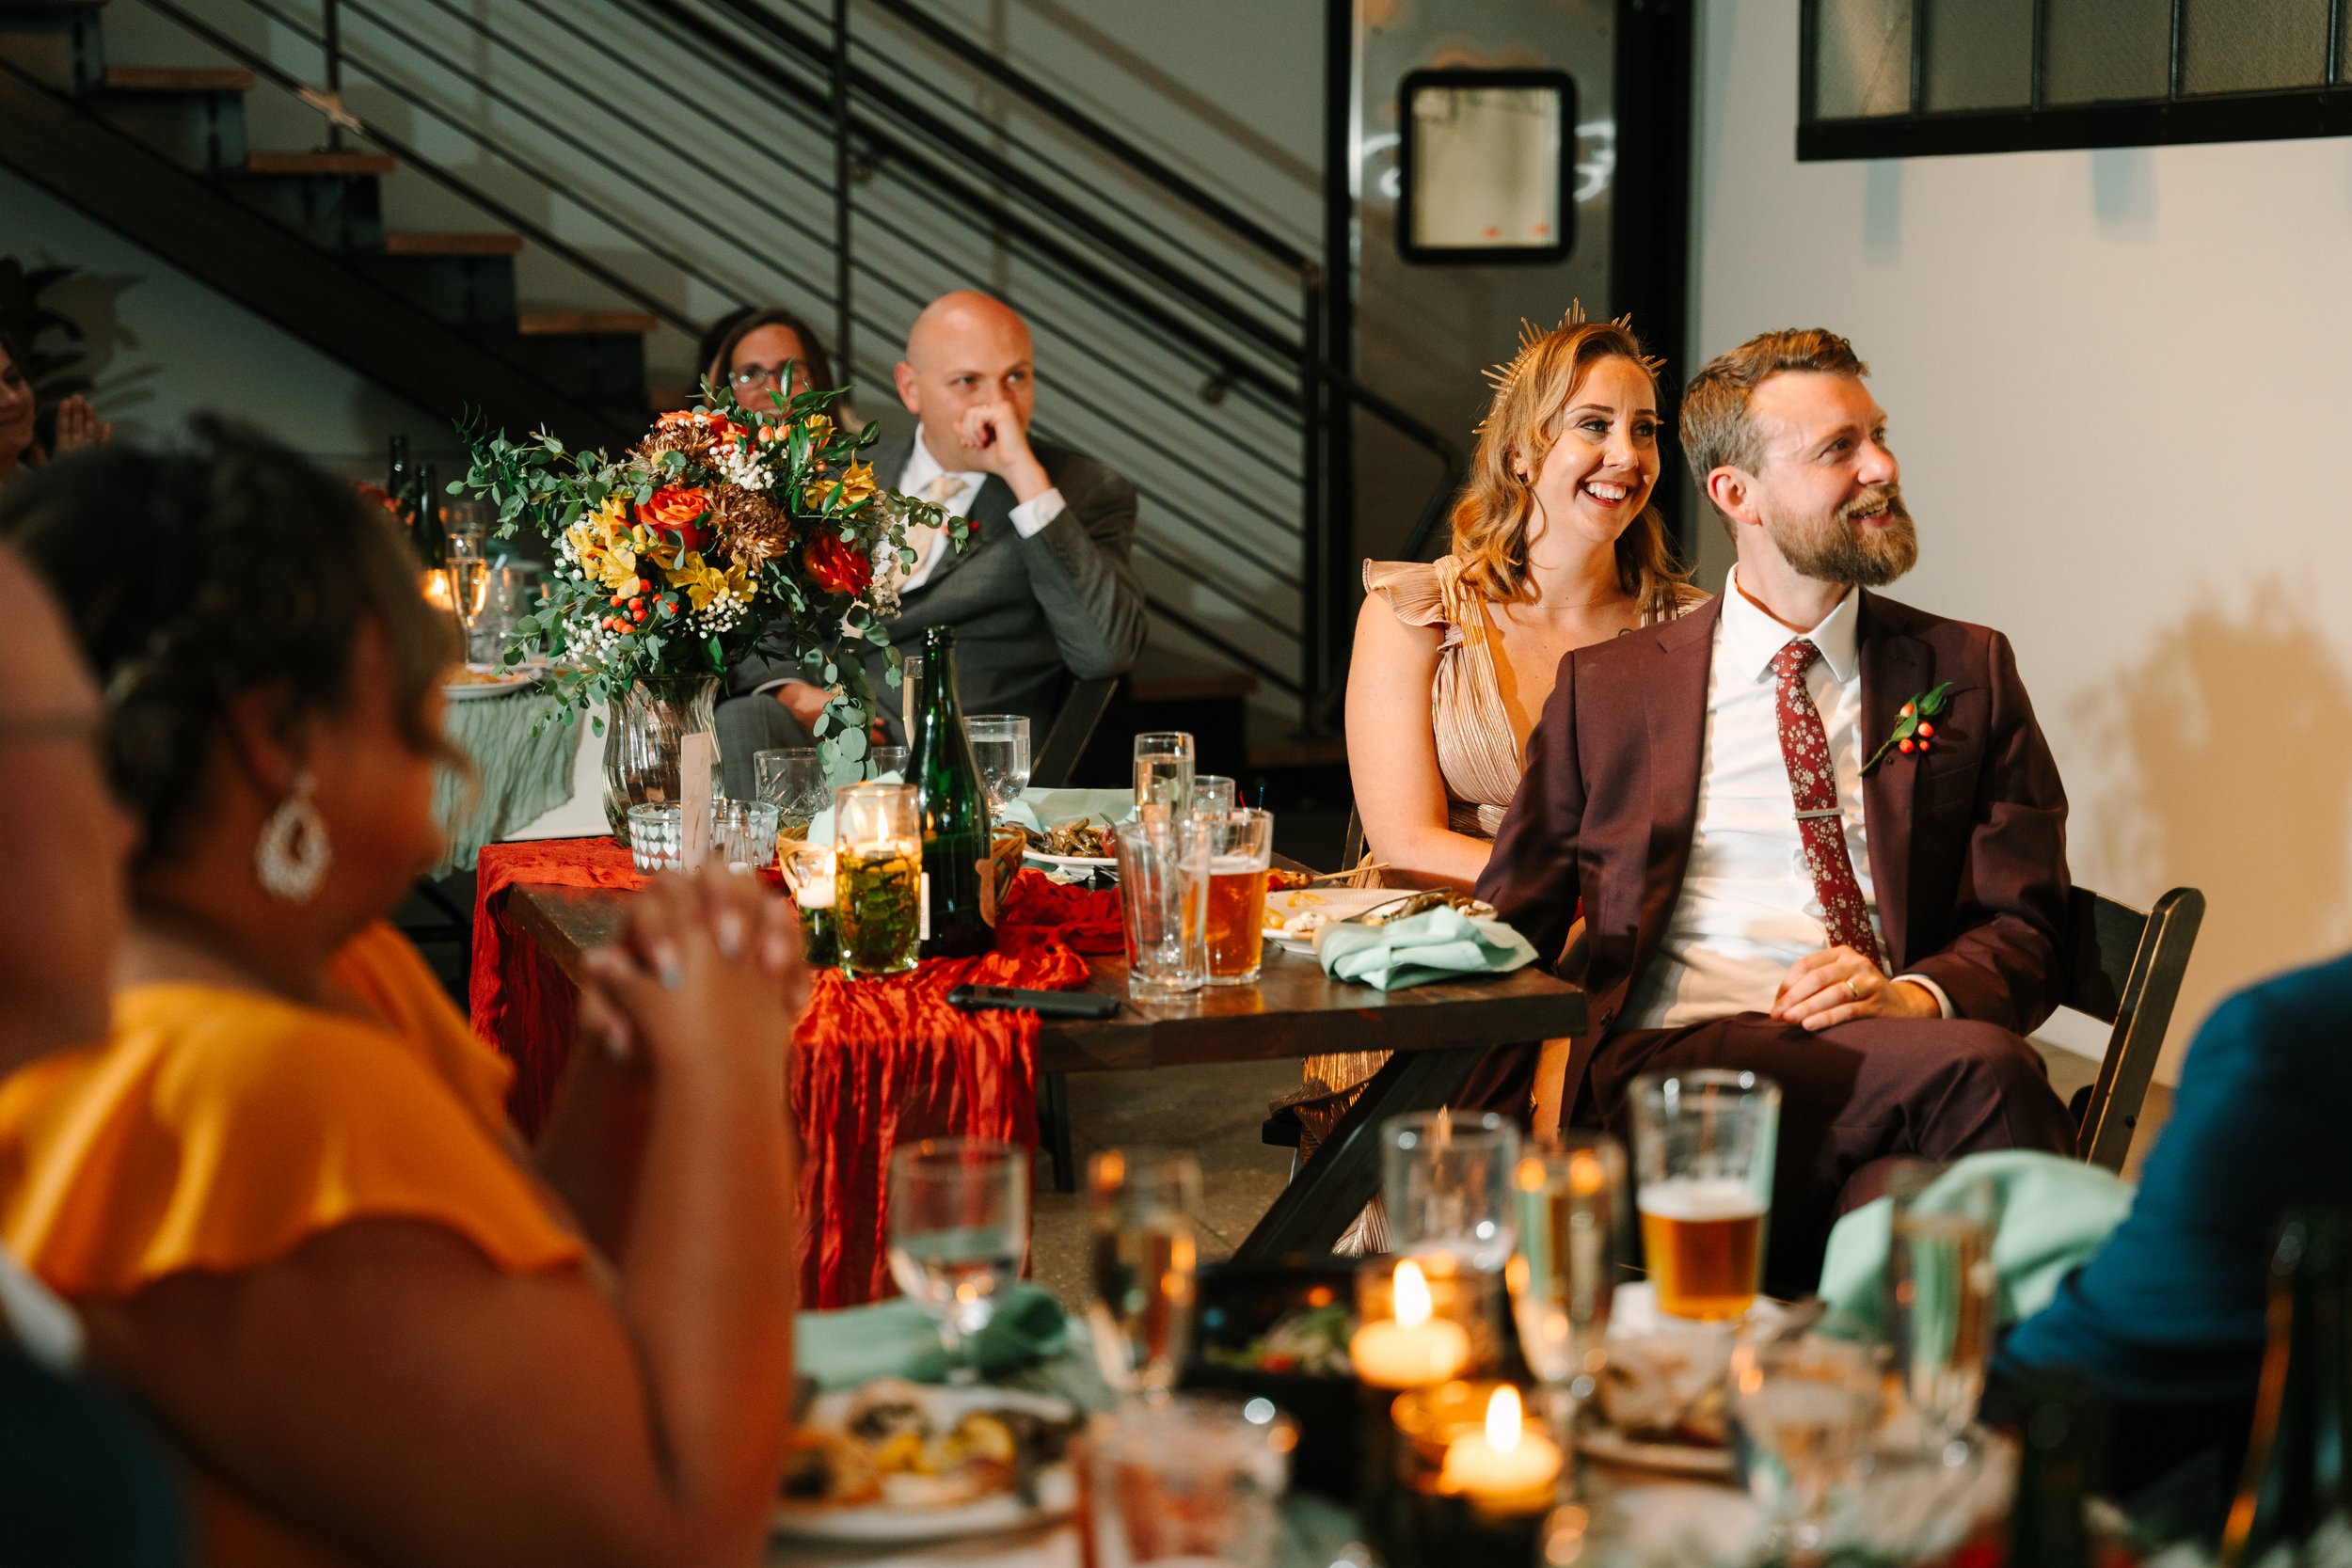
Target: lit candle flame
column 1441, row 1127
column 1412, row 1295
column 1586, row 1175
column 1505, row 1421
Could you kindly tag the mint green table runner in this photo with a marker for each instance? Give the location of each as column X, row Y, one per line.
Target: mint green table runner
column 523, row 766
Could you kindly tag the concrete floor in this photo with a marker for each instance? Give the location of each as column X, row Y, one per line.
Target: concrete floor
column 1216, row 1111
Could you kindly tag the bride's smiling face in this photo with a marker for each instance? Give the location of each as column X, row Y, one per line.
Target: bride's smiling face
column 1603, row 463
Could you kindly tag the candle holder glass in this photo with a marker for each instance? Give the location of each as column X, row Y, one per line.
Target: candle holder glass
column 808, row 877
column 1456, row 1515
column 1446, row 1181
column 1399, row 1297
column 878, row 878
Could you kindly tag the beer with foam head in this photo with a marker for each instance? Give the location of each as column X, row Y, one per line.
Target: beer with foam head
column 1704, row 1240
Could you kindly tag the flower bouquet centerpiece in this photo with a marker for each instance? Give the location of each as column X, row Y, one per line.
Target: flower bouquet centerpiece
column 725, row 532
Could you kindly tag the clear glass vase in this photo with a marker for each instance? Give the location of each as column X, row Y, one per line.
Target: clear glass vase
column 642, row 736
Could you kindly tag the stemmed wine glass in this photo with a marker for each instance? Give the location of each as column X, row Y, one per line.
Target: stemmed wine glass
column 1572, row 1238
column 1144, row 1257
column 959, row 1227
column 1000, row 749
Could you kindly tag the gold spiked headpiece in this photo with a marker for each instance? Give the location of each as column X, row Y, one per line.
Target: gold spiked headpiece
column 1504, row 376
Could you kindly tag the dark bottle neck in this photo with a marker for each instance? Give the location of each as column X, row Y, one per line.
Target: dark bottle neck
column 2298, row 1471
column 2059, row 1435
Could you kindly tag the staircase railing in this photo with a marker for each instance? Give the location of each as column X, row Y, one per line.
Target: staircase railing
column 1217, row 510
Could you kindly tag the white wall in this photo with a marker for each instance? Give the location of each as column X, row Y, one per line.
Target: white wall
column 2116, row 386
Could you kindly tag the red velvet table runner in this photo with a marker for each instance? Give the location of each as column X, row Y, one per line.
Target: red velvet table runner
column 877, row 1062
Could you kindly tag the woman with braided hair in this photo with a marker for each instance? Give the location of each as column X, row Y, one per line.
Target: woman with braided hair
column 1556, row 546
column 283, row 1192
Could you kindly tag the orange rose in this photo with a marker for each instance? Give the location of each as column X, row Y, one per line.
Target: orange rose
column 676, row 509
column 837, row 567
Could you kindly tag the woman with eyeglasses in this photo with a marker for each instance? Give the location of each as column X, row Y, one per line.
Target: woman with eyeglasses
column 755, row 350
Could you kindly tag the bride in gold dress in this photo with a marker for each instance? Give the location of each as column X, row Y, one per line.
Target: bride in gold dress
column 1556, row 546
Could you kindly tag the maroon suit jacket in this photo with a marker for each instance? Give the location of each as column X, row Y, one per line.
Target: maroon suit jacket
column 1967, row 842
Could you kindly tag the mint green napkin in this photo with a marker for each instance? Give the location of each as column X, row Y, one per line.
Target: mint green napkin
column 2055, row 1212
column 1437, row 945
column 896, row 1339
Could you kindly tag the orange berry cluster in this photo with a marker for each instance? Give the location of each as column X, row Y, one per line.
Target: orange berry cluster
column 632, row 605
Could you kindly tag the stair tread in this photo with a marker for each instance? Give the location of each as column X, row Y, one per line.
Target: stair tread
column 416, row 243
column 546, row 324
column 320, row 163
column 150, row 79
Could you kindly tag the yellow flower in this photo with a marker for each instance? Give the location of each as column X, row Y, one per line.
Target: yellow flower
column 818, row 426
column 855, row 486
column 703, row 582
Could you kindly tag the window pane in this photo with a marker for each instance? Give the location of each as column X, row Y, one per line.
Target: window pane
column 2230, row 46
column 1863, row 59
column 1980, row 55
column 2107, row 49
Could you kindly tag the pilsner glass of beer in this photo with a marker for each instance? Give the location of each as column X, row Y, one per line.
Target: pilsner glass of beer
column 1241, row 848
column 1703, row 1150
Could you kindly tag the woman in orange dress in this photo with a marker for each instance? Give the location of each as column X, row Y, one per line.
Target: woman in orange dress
column 284, row 1193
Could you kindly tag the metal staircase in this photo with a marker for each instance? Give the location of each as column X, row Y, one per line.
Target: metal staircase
column 1184, row 340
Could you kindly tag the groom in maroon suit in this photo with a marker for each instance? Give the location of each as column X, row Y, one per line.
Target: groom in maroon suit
column 1763, row 888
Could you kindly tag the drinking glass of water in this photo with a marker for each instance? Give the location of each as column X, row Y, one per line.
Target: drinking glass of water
column 1000, row 749
column 1144, row 1256
column 958, row 1226
column 1447, row 1181
column 792, row 780
column 1164, row 762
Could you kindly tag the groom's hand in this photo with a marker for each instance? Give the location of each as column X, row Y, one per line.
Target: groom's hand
column 1839, row 985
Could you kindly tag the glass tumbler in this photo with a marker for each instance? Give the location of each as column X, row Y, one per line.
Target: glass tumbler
column 1213, row 793
column 792, row 780
column 1241, row 851
column 1447, row 1182
column 1703, row 1146
column 1191, row 1480
column 657, row 834
column 1163, row 894
column 878, row 878
column 743, row 835
column 883, row 761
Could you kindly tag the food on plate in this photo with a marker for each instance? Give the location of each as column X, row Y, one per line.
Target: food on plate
column 1311, row 1339
column 1280, row 880
column 476, row 674
column 1669, row 1388
column 895, row 1446
column 1298, row 907
column 1080, row 838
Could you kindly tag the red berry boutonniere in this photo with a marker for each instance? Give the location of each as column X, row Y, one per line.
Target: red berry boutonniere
column 1915, row 726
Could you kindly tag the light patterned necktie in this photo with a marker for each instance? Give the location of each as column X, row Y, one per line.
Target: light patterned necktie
column 1820, row 822
column 921, row 537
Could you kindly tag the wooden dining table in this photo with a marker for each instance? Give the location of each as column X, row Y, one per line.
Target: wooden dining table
column 1437, row 1030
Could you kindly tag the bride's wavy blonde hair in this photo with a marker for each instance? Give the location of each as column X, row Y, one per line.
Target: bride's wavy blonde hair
column 1531, row 391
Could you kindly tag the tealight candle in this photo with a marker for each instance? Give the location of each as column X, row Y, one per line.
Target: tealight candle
column 1413, row 1349
column 1509, row 1464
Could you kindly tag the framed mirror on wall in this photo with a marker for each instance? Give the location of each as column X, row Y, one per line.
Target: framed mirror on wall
column 1486, row 161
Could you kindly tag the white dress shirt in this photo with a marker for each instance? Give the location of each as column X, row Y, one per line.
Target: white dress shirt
column 1748, row 909
column 957, row 495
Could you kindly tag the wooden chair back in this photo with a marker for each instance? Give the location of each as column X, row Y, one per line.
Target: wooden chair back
column 2124, row 969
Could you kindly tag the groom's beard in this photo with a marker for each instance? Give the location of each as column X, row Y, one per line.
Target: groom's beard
column 1838, row 549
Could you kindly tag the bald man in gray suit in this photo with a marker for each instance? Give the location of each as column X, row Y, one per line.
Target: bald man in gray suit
column 1044, row 593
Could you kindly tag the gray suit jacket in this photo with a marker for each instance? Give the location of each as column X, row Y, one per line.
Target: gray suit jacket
column 1031, row 615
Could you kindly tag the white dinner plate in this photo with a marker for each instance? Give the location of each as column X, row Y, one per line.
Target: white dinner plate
column 1297, row 907
column 1072, row 864
column 502, row 682
column 889, row 1522
column 1613, row 1446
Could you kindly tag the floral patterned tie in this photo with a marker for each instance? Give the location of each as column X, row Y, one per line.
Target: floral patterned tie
column 1821, row 824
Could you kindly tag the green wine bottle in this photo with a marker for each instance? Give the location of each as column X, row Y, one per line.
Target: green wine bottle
column 430, row 537
column 2298, row 1468
column 959, row 906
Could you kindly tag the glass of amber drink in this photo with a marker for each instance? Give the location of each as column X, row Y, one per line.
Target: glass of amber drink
column 1703, row 1153
column 1240, row 850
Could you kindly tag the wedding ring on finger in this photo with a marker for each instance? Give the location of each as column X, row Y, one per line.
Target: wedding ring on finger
column 1854, row 990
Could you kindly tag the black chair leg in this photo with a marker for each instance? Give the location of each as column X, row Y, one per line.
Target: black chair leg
column 1053, row 1126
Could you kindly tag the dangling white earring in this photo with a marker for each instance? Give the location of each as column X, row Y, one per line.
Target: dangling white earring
column 292, row 856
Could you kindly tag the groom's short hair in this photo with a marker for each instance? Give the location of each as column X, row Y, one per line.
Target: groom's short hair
column 1716, row 429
